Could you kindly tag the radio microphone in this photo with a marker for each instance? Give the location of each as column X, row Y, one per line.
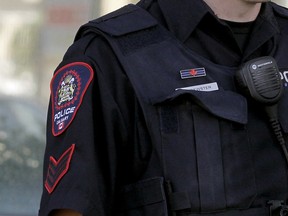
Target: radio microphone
column 260, row 79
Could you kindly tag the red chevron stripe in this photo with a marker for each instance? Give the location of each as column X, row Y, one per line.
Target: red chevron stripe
column 58, row 168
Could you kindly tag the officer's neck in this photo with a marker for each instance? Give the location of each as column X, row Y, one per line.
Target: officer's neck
column 234, row 10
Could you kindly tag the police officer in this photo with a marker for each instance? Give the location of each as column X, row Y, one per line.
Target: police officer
column 147, row 118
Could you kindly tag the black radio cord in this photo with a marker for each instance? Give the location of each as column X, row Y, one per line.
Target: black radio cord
column 272, row 112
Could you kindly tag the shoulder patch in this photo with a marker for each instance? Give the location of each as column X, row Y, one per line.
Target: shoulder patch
column 58, row 168
column 68, row 88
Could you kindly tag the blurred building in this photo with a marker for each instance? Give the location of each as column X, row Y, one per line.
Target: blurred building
column 34, row 34
column 282, row 2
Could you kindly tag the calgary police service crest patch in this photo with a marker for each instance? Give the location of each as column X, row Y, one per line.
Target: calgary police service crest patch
column 68, row 87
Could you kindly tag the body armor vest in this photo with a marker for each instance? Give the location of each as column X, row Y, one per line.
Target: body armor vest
column 214, row 151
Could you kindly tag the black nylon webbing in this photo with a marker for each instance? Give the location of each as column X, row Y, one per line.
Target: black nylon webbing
column 209, row 160
column 142, row 193
column 140, row 39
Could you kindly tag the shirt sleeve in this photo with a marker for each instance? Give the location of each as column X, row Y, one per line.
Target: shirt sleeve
column 86, row 131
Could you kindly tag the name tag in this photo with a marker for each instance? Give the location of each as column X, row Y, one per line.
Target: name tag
column 208, row 87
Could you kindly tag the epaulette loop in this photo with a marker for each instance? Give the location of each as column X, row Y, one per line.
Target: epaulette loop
column 125, row 20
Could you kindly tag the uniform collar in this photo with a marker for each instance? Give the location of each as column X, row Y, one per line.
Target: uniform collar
column 183, row 16
column 265, row 28
column 179, row 13
column 267, row 15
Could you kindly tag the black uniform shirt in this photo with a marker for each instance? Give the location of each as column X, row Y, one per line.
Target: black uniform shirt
column 198, row 27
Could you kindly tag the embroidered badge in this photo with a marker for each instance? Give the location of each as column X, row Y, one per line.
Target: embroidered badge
column 68, row 87
column 192, row 73
column 58, row 168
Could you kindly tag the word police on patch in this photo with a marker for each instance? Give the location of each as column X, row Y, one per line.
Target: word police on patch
column 68, row 87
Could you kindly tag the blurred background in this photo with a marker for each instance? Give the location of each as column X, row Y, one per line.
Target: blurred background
column 34, row 35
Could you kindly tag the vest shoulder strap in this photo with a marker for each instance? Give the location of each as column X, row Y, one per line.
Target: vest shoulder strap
column 128, row 19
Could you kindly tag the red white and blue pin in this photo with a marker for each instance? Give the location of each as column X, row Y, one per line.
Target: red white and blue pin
column 192, row 73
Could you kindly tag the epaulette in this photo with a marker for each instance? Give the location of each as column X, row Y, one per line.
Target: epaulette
column 131, row 27
column 128, row 19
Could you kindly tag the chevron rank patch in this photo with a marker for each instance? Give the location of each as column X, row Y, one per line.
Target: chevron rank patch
column 68, row 88
column 58, row 168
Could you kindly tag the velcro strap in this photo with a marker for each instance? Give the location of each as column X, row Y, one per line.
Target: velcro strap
column 168, row 119
column 179, row 201
column 142, row 193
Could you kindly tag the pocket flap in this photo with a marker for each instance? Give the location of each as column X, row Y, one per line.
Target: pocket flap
column 224, row 104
